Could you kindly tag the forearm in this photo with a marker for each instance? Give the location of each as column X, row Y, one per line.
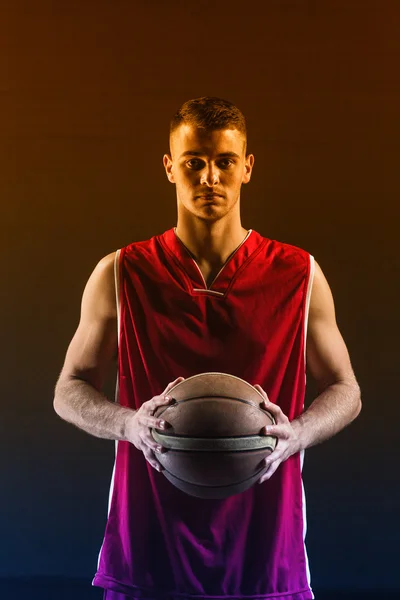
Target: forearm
column 331, row 411
column 79, row 403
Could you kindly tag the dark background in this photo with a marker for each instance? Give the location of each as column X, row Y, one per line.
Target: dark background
column 86, row 93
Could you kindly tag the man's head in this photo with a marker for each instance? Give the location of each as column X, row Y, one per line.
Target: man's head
column 207, row 160
column 209, row 114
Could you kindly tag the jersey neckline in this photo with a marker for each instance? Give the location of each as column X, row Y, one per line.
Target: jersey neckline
column 228, row 270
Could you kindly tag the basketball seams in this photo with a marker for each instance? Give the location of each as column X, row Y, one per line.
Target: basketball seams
column 195, row 486
column 203, row 459
column 224, row 444
column 214, row 373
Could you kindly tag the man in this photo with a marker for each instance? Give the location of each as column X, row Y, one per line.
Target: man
column 208, row 295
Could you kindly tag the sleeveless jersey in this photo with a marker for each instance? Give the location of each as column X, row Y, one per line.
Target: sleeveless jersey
column 250, row 322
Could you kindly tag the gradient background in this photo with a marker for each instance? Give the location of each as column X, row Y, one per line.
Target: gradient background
column 87, row 90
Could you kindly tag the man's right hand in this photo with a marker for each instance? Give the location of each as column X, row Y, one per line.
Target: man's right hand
column 138, row 426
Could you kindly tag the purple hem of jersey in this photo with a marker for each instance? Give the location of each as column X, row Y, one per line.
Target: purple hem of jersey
column 137, row 593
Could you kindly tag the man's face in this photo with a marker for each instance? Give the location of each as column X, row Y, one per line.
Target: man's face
column 208, row 169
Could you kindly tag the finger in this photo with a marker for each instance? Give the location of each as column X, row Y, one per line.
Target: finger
column 151, row 459
column 262, row 391
column 266, row 402
column 276, row 412
column 269, row 472
column 154, row 422
column 267, row 466
column 172, row 384
column 149, row 439
column 151, row 443
column 262, row 477
column 275, row 456
column 280, row 431
column 157, row 401
column 154, row 444
column 272, row 462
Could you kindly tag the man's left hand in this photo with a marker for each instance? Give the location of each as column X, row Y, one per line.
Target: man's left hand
column 288, row 441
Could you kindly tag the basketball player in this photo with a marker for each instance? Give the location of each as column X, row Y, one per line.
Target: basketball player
column 207, row 295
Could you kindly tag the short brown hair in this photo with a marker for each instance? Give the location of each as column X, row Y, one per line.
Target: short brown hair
column 209, row 113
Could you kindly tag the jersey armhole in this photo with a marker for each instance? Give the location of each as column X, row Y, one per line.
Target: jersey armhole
column 307, row 303
column 117, row 291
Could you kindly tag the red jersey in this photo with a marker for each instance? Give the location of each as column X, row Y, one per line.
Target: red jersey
column 250, row 322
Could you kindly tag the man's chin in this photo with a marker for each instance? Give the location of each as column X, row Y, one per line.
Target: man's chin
column 210, row 212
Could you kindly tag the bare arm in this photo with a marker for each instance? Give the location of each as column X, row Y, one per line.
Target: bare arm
column 78, row 397
column 338, row 401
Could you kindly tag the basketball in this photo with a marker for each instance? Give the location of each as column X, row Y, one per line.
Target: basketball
column 215, row 448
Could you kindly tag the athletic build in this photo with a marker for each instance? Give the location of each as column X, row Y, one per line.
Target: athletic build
column 208, row 164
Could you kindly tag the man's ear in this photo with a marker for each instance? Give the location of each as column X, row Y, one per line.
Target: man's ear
column 167, row 162
column 248, row 168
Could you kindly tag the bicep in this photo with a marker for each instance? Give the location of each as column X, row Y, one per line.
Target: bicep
column 94, row 345
column 327, row 357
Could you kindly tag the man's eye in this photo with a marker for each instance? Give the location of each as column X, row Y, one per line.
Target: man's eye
column 195, row 163
column 226, row 162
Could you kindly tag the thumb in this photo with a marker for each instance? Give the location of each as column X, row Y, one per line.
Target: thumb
column 172, row 384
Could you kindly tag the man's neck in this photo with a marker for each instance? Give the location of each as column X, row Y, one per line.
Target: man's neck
column 211, row 244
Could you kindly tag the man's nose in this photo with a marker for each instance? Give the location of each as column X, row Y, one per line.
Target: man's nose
column 209, row 176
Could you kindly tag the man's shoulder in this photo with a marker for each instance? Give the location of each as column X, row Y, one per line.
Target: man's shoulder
column 107, row 262
column 104, row 269
column 284, row 251
column 143, row 245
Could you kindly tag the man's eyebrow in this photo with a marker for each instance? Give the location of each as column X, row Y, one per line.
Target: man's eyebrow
column 195, row 153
